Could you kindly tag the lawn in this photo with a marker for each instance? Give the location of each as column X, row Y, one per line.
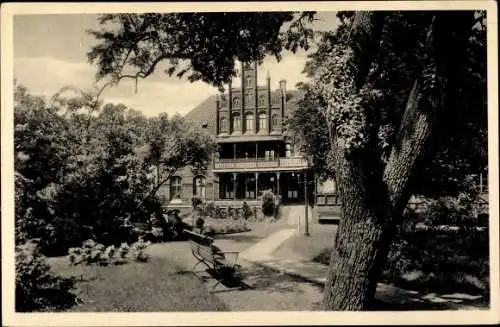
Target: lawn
column 300, row 247
column 158, row 285
column 456, row 269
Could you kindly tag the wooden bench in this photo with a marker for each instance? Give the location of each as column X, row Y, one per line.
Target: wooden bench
column 216, row 261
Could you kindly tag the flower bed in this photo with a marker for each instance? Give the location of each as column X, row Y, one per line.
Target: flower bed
column 214, row 226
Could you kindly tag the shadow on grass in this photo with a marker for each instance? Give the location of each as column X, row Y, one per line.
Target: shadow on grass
column 253, row 277
column 266, row 279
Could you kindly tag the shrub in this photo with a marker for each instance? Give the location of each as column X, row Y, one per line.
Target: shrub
column 199, row 223
column 210, row 210
column 138, row 250
column 453, row 259
column 122, row 252
column 157, row 232
column 36, row 288
column 268, row 203
column 246, row 210
column 196, row 202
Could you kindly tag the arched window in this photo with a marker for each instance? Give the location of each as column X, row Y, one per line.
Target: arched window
column 262, row 101
column 248, row 81
column 249, row 122
column 236, row 102
column 175, row 187
column 236, row 122
column 262, row 121
column 199, row 187
column 223, row 124
column 275, row 122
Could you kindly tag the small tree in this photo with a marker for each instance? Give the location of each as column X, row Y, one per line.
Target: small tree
column 172, row 144
column 268, row 205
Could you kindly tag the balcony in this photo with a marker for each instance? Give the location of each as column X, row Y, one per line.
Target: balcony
column 257, row 164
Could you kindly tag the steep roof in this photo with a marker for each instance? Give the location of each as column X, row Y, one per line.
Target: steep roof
column 205, row 112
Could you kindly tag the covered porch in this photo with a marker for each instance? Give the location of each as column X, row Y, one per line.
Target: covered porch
column 249, row 186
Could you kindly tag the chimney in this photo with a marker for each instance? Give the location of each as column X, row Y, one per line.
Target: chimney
column 283, row 87
column 283, row 98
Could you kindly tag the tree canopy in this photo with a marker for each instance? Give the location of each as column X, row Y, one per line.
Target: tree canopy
column 202, row 46
column 387, row 83
column 84, row 169
column 461, row 150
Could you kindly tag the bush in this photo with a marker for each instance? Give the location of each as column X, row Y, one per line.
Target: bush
column 36, row 288
column 94, row 253
column 199, row 224
column 454, row 259
column 268, row 203
column 138, row 250
column 210, row 210
column 196, row 202
column 246, row 211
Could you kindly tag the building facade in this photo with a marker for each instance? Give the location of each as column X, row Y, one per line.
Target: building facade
column 254, row 154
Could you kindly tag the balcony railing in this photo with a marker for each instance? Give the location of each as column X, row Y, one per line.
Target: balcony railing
column 253, row 163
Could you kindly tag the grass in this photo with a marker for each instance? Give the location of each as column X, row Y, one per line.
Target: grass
column 158, row 285
column 454, row 266
column 309, row 248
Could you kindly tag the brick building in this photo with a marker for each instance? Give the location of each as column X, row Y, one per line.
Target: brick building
column 255, row 153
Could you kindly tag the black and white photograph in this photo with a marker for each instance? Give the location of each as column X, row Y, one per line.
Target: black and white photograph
column 262, row 163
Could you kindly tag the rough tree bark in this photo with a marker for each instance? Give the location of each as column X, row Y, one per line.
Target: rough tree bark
column 374, row 196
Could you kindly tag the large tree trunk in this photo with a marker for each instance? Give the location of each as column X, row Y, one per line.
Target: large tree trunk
column 372, row 200
column 374, row 197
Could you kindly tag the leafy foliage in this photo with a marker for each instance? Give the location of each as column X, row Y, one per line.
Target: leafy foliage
column 92, row 252
column 85, row 170
column 246, row 211
column 203, row 45
column 386, row 82
column 36, row 287
column 400, row 57
column 268, row 203
column 439, row 262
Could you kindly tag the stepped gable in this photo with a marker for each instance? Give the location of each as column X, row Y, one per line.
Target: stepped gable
column 205, row 112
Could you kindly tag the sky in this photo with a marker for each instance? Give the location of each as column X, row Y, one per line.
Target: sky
column 50, row 53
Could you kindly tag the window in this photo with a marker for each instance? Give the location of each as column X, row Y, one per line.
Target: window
column 223, row 124
column 269, row 155
column 262, row 121
column 262, row 101
column 248, row 81
column 175, row 187
column 288, row 150
column 236, row 122
column 236, row 102
column 248, row 100
column 249, row 122
column 199, row 186
column 275, row 122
